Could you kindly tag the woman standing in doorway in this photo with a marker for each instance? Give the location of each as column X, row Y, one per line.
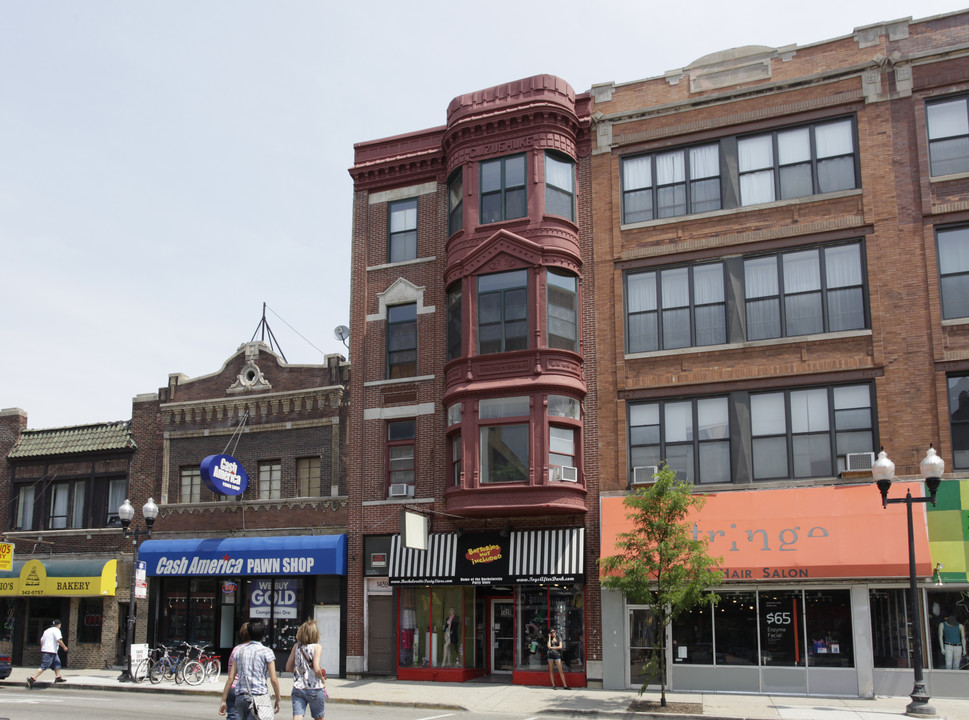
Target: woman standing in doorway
column 555, row 657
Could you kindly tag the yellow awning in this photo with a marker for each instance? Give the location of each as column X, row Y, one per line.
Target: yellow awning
column 60, row 578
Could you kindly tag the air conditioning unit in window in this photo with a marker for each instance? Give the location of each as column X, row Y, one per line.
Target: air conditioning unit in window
column 644, row 474
column 860, row 461
column 565, row 473
column 401, row 490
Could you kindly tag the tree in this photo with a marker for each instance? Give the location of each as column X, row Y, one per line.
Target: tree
column 661, row 563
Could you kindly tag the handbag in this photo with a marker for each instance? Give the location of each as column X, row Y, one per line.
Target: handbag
column 260, row 706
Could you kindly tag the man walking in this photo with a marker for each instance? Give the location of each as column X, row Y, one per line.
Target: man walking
column 49, row 643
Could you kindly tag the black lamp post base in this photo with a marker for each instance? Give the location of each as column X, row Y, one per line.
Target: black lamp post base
column 125, row 677
column 919, row 707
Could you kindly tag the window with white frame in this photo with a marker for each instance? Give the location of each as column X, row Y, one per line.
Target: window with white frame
column 402, row 225
column 190, row 486
column 559, row 185
column 948, row 129
column 270, row 480
column 308, row 480
column 953, row 244
column 668, row 184
column 503, row 189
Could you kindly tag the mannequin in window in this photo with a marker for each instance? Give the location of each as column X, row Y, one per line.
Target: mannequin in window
column 952, row 638
column 452, row 636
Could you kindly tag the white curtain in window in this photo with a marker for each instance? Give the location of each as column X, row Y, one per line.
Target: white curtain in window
column 760, row 277
column 852, row 396
column 77, row 513
column 676, row 288
column 947, row 119
column 834, row 139
column 954, row 250
column 558, row 173
column 637, row 173
column 678, row 422
column 767, row 414
column 713, row 419
column 842, row 266
column 704, row 162
column 793, row 146
column 708, row 284
column 644, row 414
column 757, row 187
column 755, row 153
column 802, row 271
column 809, row 411
column 503, row 407
column 403, row 219
column 25, row 509
column 669, row 168
column 60, row 497
column 641, row 289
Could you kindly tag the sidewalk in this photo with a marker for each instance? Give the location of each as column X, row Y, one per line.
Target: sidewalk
column 527, row 701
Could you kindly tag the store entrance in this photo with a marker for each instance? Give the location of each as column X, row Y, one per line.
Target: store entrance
column 502, row 635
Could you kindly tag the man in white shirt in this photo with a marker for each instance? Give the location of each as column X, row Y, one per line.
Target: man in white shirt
column 49, row 643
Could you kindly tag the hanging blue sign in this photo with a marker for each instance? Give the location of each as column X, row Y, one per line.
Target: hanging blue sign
column 224, row 475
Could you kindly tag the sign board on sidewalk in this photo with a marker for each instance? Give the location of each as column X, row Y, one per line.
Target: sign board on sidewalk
column 139, row 651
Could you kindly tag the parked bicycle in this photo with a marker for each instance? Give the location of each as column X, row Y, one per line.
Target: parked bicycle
column 201, row 665
column 171, row 665
column 143, row 670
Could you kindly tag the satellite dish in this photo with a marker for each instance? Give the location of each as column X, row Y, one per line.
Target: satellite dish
column 341, row 333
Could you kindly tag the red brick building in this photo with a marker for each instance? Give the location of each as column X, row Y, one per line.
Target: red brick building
column 780, row 267
column 474, row 383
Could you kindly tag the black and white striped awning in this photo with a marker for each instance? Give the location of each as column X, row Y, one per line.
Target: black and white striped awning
column 488, row 558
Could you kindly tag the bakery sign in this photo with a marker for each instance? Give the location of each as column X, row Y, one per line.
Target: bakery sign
column 224, row 475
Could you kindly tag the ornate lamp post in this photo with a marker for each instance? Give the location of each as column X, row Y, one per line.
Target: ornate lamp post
column 127, row 513
column 932, row 468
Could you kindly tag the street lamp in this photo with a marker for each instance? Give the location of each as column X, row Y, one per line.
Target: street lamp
column 932, row 468
column 127, row 513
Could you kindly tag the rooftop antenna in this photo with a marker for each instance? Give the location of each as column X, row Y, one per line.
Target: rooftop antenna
column 266, row 330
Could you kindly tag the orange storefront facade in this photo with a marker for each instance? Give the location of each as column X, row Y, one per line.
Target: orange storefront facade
column 813, row 601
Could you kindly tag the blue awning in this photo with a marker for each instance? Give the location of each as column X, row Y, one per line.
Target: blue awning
column 293, row 555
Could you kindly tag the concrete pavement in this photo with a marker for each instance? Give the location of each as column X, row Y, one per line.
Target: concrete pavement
column 527, row 701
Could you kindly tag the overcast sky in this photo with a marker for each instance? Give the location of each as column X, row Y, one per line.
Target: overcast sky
column 167, row 167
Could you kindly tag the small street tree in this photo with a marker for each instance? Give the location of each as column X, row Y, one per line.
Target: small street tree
column 660, row 562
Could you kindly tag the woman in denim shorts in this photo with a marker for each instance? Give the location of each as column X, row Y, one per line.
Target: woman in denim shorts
column 309, row 678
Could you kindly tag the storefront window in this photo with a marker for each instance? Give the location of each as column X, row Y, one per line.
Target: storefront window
column 9, row 622
column 781, row 628
column 430, row 634
column 447, row 633
column 90, row 615
column 948, row 620
column 174, row 611
column 540, row 608
column 828, row 621
column 693, row 637
column 276, row 602
column 889, row 628
column 735, row 629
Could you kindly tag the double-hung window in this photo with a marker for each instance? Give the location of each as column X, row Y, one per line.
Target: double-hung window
column 401, row 438
column 455, row 201
column 563, row 436
column 559, row 185
column 402, row 244
column 308, row 477
column 954, row 271
column 562, row 309
column 504, row 430
column 25, row 508
column 692, row 436
column 804, row 292
column 503, row 189
column 803, row 433
column 669, row 184
column 675, row 308
column 270, row 480
column 190, row 487
column 797, row 162
column 66, row 505
column 503, row 311
column 959, row 419
column 117, row 492
column 948, row 126
column 402, row 341
column 454, row 322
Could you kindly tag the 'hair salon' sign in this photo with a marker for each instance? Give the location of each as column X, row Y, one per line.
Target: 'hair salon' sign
column 224, row 475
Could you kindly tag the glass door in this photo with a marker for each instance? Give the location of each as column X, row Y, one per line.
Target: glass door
column 642, row 635
column 502, row 635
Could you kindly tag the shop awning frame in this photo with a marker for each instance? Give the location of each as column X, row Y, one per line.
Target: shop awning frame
column 60, row 577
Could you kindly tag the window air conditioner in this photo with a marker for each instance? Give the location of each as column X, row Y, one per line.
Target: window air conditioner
column 401, row 490
column 644, row 474
column 860, row 461
column 568, row 473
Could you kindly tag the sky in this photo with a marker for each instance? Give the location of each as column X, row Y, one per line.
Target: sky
column 168, row 167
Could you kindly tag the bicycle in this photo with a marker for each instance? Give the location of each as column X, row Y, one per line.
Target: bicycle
column 170, row 666
column 143, row 670
column 201, row 666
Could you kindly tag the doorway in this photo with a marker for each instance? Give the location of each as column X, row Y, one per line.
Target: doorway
column 502, row 635
column 380, row 634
